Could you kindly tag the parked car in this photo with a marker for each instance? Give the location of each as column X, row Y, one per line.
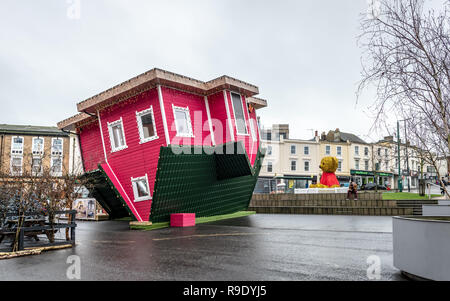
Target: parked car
column 373, row 186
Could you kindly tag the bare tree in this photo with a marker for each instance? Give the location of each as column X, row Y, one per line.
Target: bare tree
column 407, row 58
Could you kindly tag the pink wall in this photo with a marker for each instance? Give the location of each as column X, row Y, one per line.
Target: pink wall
column 198, row 114
column 91, row 145
column 219, row 118
column 138, row 159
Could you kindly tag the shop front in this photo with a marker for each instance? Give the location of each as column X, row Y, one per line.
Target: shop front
column 363, row 177
column 284, row 184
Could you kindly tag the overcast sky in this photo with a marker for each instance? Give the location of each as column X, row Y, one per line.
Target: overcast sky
column 302, row 55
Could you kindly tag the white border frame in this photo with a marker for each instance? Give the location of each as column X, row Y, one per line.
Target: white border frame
column 290, row 150
column 111, row 137
column 16, row 174
column 38, row 152
column 328, row 145
column 12, row 144
column 135, row 192
column 234, row 115
column 139, row 115
column 296, row 165
column 62, row 147
column 41, row 171
column 188, row 116
column 59, row 173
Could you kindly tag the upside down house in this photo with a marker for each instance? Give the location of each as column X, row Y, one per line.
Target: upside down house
column 162, row 143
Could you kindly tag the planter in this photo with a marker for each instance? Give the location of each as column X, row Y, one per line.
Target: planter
column 421, row 246
column 436, row 210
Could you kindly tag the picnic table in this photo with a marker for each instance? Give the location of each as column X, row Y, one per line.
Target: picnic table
column 27, row 223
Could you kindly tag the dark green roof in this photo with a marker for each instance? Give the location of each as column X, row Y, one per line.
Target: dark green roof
column 31, row 130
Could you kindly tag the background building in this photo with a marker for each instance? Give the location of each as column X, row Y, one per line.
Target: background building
column 26, row 149
column 293, row 163
column 289, row 163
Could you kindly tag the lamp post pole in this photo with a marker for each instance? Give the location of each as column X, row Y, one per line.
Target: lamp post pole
column 407, row 159
column 400, row 182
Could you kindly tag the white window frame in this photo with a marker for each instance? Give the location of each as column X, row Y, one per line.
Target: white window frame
column 269, row 150
column 340, row 163
column 190, row 133
column 141, row 127
column 16, row 152
column 234, row 114
column 295, row 149
column 294, row 161
column 327, row 153
column 40, row 172
column 38, row 152
column 306, row 153
column 309, row 165
column 269, row 163
column 339, row 151
column 356, row 150
column 62, row 147
column 13, row 173
column 111, row 135
column 135, row 191
column 59, row 173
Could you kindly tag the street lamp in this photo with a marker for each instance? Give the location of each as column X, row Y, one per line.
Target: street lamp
column 400, row 181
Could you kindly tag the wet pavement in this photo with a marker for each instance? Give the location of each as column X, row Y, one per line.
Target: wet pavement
column 259, row 247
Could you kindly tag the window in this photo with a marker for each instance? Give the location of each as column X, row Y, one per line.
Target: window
column 269, row 136
column 357, row 164
column 328, row 150
column 386, row 152
column 293, row 149
column 356, row 150
column 16, row 166
column 379, row 152
column 57, row 147
column 182, row 121
column 269, row 150
column 17, row 146
column 366, row 151
column 239, row 117
column 146, row 125
column 366, row 165
column 306, row 165
column 36, row 166
column 339, row 166
column 377, row 166
column 306, row 150
column 38, row 146
column 386, row 163
column 140, row 189
column 117, row 135
column 56, row 166
column 269, row 167
column 293, row 165
column 339, row 150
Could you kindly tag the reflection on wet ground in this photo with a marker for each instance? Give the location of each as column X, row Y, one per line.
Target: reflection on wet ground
column 259, row 247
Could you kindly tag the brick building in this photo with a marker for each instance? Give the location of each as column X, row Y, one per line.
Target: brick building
column 25, row 149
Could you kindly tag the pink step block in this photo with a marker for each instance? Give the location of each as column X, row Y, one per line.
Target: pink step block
column 182, row 220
